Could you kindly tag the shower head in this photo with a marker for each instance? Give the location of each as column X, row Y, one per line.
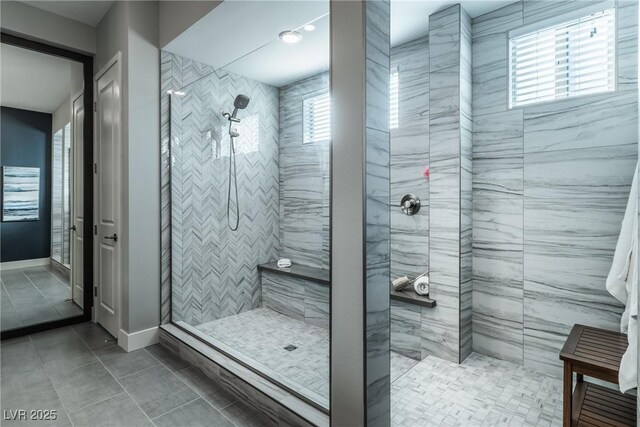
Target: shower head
column 240, row 103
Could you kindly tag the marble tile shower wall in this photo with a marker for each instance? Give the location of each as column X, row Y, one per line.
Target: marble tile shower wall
column 377, row 221
column 446, row 329
column 304, row 179
column 304, row 184
column 214, row 272
column 409, row 158
column 550, row 185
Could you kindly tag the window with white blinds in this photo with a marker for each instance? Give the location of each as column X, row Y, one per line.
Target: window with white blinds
column 316, row 121
column 394, row 86
column 316, row 113
column 574, row 58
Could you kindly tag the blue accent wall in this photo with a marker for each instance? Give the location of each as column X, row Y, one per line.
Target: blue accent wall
column 25, row 140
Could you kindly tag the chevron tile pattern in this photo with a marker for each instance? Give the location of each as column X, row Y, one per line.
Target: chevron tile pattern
column 213, row 269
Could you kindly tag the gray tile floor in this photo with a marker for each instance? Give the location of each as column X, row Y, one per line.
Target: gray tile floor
column 34, row 295
column 89, row 381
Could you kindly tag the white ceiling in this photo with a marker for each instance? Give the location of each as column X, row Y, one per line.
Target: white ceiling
column 240, row 28
column 88, row 12
column 33, row 81
column 410, row 18
column 242, row 36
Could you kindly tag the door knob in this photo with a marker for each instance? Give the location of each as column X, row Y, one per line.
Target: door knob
column 72, row 228
column 114, row 237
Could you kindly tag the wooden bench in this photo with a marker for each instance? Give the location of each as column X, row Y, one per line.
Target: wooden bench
column 596, row 353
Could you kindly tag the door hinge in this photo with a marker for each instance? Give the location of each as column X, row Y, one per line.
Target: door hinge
column 95, row 106
column 95, row 291
column 95, row 230
column 95, row 168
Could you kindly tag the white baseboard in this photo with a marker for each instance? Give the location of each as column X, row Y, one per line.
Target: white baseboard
column 138, row 340
column 25, row 263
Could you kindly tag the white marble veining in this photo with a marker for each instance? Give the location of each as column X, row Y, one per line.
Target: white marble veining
column 498, row 154
column 377, row 163
column 550, row 186
column 304, row 179
column 214, row 270
column 481, row 391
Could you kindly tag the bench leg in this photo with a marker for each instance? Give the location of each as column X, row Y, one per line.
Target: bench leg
column 567, row 395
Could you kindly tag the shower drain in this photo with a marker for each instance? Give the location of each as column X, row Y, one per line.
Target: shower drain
column 290, row 347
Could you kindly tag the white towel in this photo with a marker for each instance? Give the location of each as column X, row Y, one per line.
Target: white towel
column 622, row 283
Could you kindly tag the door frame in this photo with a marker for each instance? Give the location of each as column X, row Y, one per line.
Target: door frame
column 87, row 253
column 74, row 198
column 115, row 60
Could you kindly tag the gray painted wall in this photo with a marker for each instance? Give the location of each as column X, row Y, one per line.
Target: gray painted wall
column 132, row 29
column 27, row 21
column 143, row 166
column 548, row 200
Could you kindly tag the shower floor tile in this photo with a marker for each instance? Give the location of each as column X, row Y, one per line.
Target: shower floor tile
column 480, row 391
column 266, row 337
column 433, row 392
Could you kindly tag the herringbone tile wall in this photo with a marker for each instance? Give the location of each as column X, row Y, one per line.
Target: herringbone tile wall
column 213, row 269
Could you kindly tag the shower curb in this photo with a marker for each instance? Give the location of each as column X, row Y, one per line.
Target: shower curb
column 277, row 404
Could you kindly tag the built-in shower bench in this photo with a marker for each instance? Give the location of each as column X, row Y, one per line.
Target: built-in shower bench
column 299, row 292
column 302, row 293
column 317, row 275
column 321, row 277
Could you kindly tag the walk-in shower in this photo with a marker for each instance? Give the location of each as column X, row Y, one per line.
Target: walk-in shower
column 240, row 103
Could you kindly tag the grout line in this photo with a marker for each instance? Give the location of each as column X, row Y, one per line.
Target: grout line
column 8, row 296
column 189, row 386
column 114, row 377
column 137, row 372
column 50, row 381
column 99, row 401
column 178, row 407
column 38, row 289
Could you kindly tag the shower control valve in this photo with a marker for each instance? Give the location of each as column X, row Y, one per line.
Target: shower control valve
column 410, row 204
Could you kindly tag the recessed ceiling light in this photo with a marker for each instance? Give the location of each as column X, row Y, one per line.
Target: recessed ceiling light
column 309, row 27
column 290, row 36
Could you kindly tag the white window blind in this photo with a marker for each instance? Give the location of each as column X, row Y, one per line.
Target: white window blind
column 316, row 121
column 394, row 86
column 573, row 58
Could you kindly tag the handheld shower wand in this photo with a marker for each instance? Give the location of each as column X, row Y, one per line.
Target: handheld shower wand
column 240, row 103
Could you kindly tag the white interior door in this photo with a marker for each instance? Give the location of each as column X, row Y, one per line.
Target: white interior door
column 77, row 200
column 108, row 121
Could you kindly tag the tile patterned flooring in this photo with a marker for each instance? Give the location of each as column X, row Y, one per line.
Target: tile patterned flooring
column 304, row 369
column 433, row 392
column 90, row 382
column 34, row 295
column 482, row 391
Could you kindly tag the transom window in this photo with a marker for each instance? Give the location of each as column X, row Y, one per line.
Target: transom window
column 394, row 87
column 316, row 119
column 573, row 58
column 316, row 113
